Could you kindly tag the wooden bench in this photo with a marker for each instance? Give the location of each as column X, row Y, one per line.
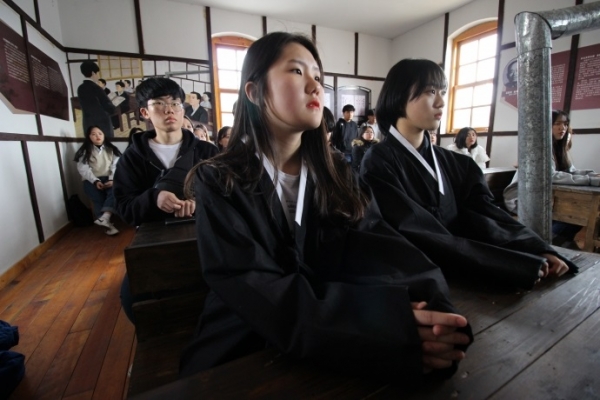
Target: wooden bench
column 497, row 179
column 162, row 261
column 579, row 205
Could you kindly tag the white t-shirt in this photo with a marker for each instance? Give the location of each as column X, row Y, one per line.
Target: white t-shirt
column 166, row 153
column 289, row 195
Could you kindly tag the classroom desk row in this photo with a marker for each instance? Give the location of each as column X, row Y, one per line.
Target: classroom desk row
column 528, row 344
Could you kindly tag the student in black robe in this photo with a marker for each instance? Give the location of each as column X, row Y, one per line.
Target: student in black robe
column 294, row 252
column 438, row 199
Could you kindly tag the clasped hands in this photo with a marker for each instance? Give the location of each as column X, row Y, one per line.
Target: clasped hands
column 169, row 203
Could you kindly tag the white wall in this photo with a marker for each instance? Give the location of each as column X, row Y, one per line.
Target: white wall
column 336, row 49
column 19, row 235
column 164, row 36
column 374, row 55
column 223, row 22
column 49, row 195
column 279, row 25
column 426, row 41
column 50, row 18
column 106, row 25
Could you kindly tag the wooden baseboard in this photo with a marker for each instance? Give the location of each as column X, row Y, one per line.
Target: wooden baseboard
column 14, row 271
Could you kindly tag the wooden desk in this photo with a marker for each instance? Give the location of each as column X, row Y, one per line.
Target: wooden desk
column 540, row 344
column 162, row 264
column 497, row 179
column 578, row 205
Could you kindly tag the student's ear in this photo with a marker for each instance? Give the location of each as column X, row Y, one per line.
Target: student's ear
column 144, row 112
column 250, row 89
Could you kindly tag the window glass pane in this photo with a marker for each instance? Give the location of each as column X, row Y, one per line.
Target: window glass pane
column 227, row 100
column 485, row 69
column 468, row 52
column 482, row 95
column 463, row 98
column 241, row 54
column 229, row 79
column 226, row 119
column 467, row 74
column 461, row 118
column 226, row 58
column 487, row 47
column 481, row 117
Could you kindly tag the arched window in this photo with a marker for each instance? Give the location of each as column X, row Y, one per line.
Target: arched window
column 228, row 57
column 472, row 77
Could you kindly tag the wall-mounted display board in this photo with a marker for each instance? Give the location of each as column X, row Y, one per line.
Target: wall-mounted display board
column 16, row 90
column 586, row 92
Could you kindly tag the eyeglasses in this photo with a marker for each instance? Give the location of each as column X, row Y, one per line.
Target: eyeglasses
column 162, row 105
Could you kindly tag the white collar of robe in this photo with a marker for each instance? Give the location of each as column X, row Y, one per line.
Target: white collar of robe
column 436, row 174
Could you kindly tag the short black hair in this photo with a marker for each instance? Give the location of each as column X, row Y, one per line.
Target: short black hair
column 128, row 81
column 329, row 120
column 198, row 96
column 153, row 88
column 348, row 107
column 120, row 83
column 405, row 82
column 88, row 68
column 371, row 112
column 102, row 80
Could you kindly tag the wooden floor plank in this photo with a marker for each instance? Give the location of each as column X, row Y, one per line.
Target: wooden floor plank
column 87, row 317
column 88, row 369
column 113, row 375
column 57, row 378
column 80, row 396
column 60, row 315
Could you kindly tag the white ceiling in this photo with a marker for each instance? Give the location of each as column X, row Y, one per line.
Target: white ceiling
column 382, row 18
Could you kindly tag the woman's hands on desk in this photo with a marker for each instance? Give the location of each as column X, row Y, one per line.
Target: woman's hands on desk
column 437, row 331
column 554, row 266
column 169, row 203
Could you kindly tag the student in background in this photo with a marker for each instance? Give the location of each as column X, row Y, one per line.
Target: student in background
column 149, row 181
column 96, row 107
column 201, row 132
column 563, row 173
column 295, row 254
column 127, row 86
column 361, row 145
column 206, row 100
column 465, row 143
column 433, row 137
column 195, row 111
column 96, row 163
column 223, row 138
column 439, row 199
column 345, row 132
column 372, row 122
column 188, row 124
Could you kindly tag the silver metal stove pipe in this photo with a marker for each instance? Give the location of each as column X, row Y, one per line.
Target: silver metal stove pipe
column 534, row 35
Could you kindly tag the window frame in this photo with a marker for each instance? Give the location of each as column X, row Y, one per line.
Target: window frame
column 230, row 42
column 476, row 32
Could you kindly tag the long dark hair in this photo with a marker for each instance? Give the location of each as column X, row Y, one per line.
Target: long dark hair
column 560, row 148
column 337, row 192
column 461, row 138
column 87, row 147
column 221, row 134
column 406, row 81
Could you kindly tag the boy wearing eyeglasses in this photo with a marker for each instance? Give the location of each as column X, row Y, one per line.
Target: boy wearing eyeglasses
column 148, row 183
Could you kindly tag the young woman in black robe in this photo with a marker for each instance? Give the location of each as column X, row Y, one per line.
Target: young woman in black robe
column 295, row 253
column 438, row 199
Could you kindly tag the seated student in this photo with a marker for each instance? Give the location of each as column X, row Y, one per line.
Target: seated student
column 201, row 132
column 563, row 173
column 295, row 254
column 223, row 138
column 96, row 163
column 188, row 124
column 148, row 185
column 465, row 143
column 361, row 145
column 372, row 122
column 149, row 180
column 102, row 84
column 439, row 199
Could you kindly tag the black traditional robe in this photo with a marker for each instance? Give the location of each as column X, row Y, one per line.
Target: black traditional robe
column 459, row 230
column 315, row 293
